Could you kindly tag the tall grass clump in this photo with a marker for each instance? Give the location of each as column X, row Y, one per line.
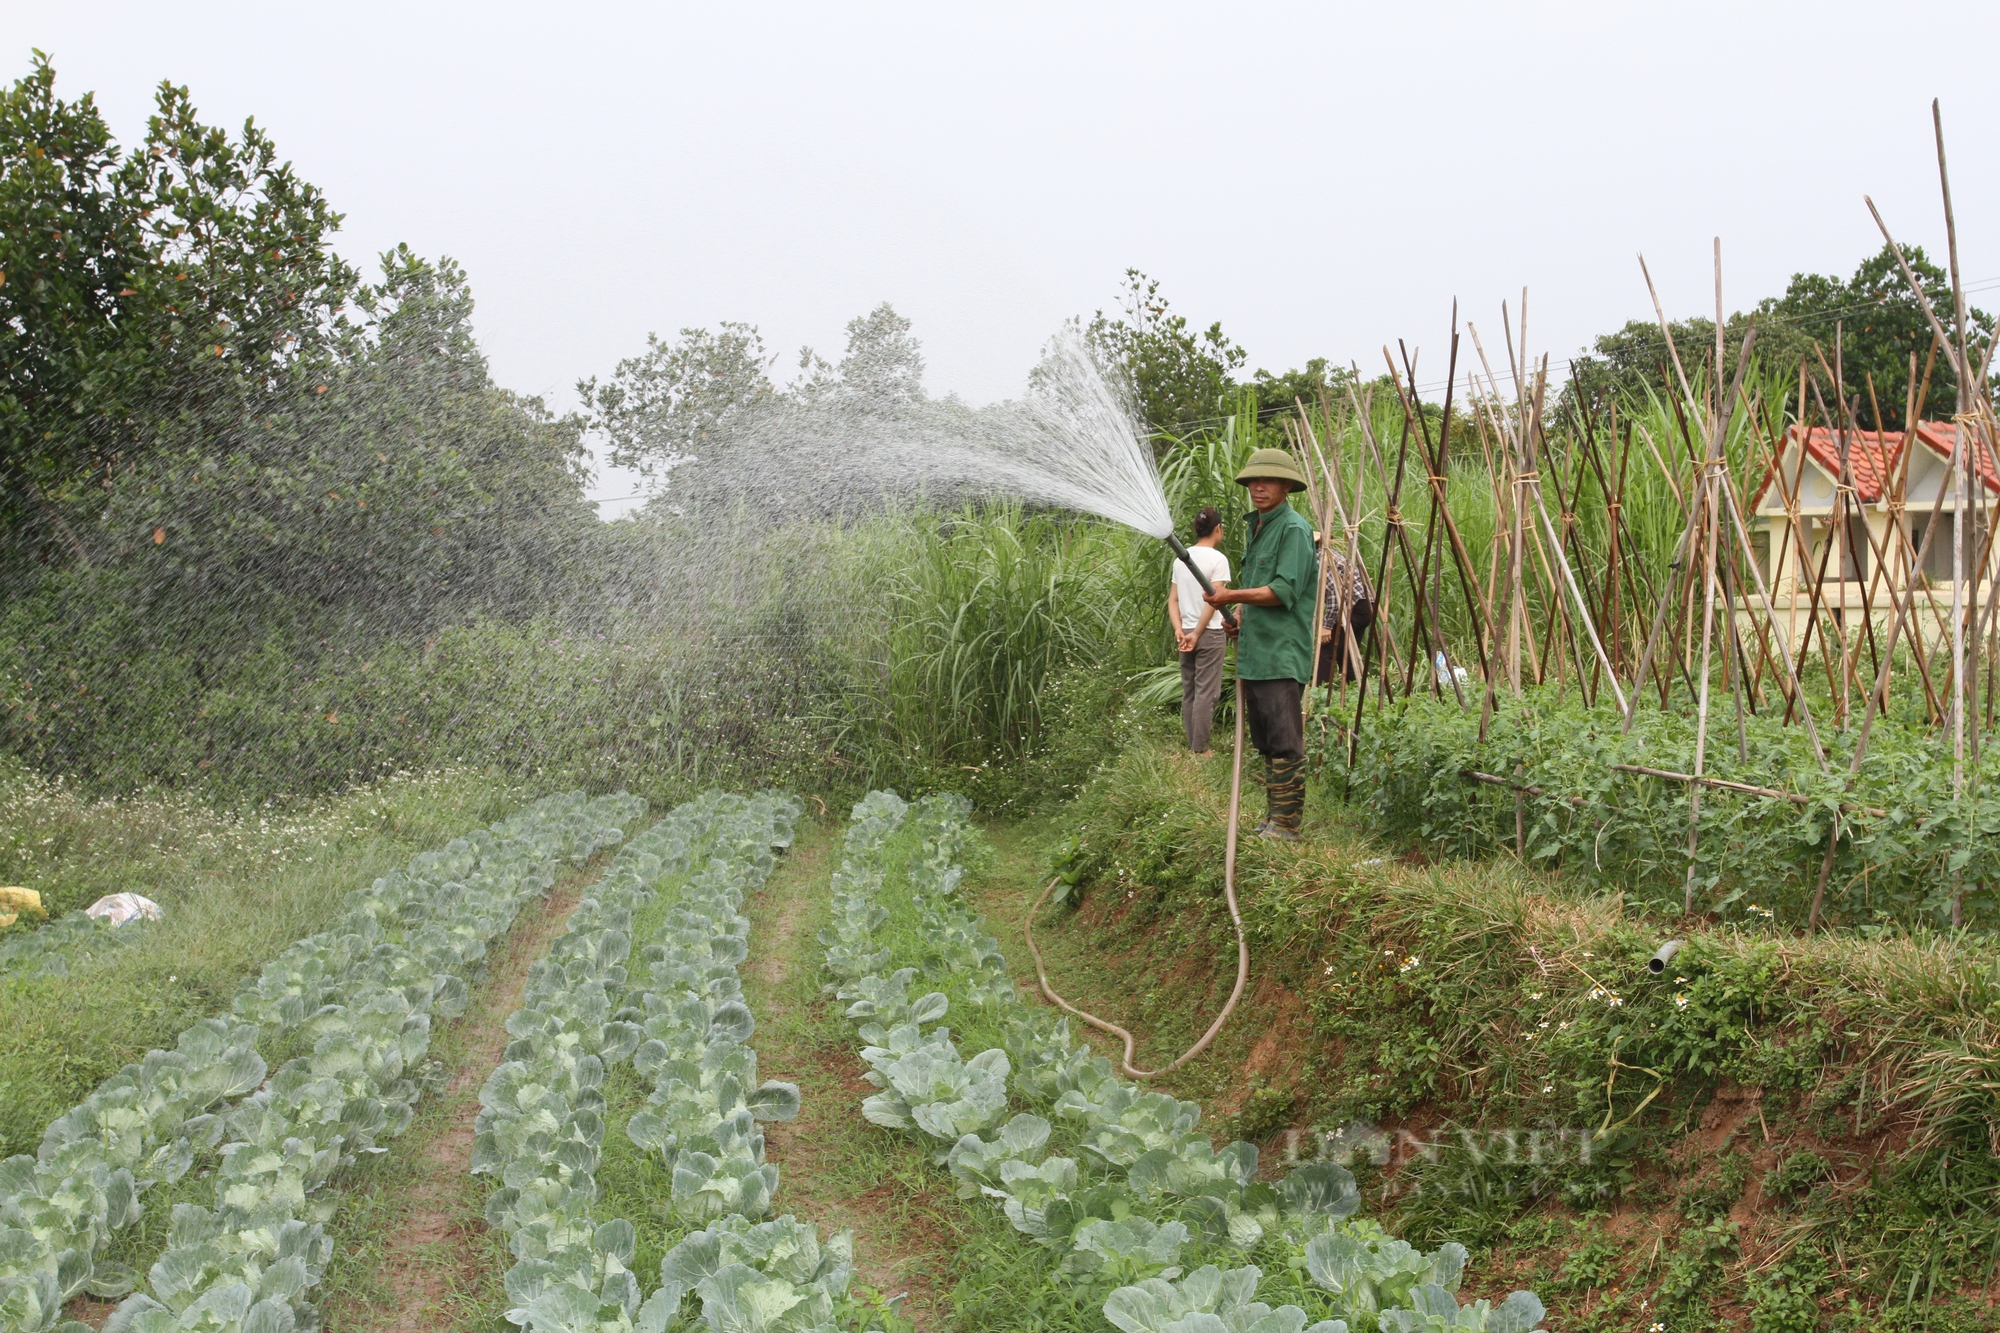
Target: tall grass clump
column 986, row 609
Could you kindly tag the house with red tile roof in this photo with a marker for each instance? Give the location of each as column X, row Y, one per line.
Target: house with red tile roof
column 1850, row 510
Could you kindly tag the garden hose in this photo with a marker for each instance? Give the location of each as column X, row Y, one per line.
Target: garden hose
column 1235, row 915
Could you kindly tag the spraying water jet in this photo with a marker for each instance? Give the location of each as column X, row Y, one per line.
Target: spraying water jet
column 1085, row 454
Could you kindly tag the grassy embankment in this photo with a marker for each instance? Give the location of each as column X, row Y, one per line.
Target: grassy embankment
column 236, row 888
column 1781, row 1132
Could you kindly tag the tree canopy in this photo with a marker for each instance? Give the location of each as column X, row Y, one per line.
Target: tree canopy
column 200, row 400
column 1181, row 378
column 1865, row 329
column 701, row 412
column 130, row 284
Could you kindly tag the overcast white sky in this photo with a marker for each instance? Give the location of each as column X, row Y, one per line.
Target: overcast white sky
column 1320, row 178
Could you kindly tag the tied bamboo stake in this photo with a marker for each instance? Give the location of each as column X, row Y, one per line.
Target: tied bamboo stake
column 1439, row 476
column 1717, row 424
column 1427, row 609
column 1955, row 348
column 1351, row 530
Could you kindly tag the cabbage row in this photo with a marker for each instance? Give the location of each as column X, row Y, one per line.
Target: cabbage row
column 45, row 952
column 403, row 955
column 1141, row 1186
column 360, row 998
column 686, row 1030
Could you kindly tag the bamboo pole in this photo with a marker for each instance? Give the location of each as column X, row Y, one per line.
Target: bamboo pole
column 1641, row 583
column 1876, row 695
column 1818, row 574
column 1426, row 621
column 1792, row 683
column 1977, row 619
column 1439, row 472
column 1566, row 507
column 1708, row 505
column 1383, row 593
column 1315, row 483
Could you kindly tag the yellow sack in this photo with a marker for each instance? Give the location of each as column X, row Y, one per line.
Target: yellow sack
column 14, row 901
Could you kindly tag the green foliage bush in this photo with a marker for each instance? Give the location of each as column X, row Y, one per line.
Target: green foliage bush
column 1904, row 844
column 988, row 663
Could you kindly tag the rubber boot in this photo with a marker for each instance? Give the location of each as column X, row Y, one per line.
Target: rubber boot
column 1285, row 791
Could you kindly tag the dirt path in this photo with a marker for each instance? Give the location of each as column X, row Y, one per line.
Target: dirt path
column 416, row 1253
column 837, row 1170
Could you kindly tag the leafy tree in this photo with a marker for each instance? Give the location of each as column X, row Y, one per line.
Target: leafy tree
column 1180, row 379
column 692, row 398
column 1279, row 394
column 884, row 363
column 1636, row 359
column 1880, row 326
column 197, row 267
column 383, row 485
column 1877, row 323
column 665, row 405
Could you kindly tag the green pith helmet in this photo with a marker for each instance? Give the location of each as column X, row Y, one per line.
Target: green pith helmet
column 1271, row 465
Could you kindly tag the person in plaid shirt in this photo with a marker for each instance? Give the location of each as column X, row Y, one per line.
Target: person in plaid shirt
column 1346, row 590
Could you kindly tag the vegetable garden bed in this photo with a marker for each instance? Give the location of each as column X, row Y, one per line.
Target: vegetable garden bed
column 346, row 1013
column 1147, row 1220
column 686, row 1030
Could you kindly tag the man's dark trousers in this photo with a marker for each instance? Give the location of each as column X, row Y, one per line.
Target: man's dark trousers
column 1277, row 728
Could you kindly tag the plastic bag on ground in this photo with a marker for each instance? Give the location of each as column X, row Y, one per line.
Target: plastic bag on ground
column 116, row 909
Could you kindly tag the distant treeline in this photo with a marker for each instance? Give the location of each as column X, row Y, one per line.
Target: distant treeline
column 257, row 508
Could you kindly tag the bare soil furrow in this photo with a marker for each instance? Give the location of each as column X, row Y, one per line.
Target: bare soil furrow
column 838, row 1170
column 419, row 1254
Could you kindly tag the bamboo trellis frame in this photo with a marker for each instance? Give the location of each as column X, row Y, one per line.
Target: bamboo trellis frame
column 1546, row 607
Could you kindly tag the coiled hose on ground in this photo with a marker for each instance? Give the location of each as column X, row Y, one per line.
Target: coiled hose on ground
column 1235, row 915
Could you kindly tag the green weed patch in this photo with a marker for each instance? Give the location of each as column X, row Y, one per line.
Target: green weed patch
column 1904, row 846
column 1485, row 1042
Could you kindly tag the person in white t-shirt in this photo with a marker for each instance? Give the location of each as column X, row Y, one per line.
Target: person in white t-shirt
column 1198, row 631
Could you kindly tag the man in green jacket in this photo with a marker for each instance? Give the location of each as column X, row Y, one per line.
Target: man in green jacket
column 1276, row 585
